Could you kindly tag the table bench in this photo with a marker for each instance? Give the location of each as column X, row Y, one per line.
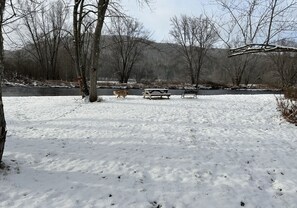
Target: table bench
column 156, row 92
column 190, row 92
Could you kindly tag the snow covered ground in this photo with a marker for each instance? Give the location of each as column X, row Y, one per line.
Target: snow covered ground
column 214, row 151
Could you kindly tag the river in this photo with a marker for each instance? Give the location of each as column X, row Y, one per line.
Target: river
column 50, row 91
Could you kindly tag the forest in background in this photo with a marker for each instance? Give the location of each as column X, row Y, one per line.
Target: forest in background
column 160, row 62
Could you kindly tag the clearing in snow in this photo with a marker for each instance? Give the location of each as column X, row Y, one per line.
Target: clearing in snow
column 214, row 151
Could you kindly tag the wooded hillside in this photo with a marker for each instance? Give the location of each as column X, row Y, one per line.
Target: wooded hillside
column 161, row 62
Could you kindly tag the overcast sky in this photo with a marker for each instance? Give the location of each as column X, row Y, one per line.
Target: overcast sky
column 157, row 19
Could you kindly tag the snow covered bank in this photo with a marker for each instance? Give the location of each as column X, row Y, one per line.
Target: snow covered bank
column 214, row 151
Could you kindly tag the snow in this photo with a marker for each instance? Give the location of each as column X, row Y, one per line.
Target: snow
column 214, row 151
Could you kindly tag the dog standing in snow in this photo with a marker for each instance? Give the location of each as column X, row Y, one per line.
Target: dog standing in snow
column 120, row 93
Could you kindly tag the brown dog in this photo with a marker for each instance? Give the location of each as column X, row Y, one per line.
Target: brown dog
column 120, row 93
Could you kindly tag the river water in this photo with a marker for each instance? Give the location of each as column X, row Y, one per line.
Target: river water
column 47, row 91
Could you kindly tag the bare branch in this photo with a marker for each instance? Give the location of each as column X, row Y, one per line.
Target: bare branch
column 259, row 48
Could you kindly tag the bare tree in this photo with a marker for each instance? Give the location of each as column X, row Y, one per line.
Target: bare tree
column 284, row 64
column 235, row 69
column 250, row 22
column 2, row 117
column 4, row 22
column 102, row 6
column 256, row 71
column 82, row 29
column 257, row 23
column 195, row 36
column 100, row 9
column 129, row 39
column 44, row 26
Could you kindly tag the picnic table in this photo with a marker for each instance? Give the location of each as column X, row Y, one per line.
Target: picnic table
column 192, row 92
column 156, row 92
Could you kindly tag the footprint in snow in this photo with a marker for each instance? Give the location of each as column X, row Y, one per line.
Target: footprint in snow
column 155, row 204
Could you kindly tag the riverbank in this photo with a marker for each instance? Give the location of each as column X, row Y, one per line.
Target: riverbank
column 68, row 91
column 62, row 88
column 130, row 85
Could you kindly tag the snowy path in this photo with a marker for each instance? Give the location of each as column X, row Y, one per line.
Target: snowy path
column 214, row 151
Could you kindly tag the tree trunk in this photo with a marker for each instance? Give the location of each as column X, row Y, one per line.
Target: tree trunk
column 80, row 69
column 84, row 87
column 2, row 118
column 102, row 8
column 93, row 85
column 2, row 125
column 197, row 79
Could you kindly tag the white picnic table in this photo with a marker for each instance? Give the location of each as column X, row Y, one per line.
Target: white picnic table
column 156, row 92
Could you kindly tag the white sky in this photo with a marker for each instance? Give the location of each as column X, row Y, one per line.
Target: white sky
column 157, row 19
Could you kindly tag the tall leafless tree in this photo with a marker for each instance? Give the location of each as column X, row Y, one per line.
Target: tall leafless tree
column 257, row 21
column 100, row 9
column 195, row 36
column 44, row 26
column 82, row 29
column 129, row 40
column 256, row 24
column 2, row 117
column 102, row 6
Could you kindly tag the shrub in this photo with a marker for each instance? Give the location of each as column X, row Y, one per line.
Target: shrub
column 291, row 93
column 287, row 105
